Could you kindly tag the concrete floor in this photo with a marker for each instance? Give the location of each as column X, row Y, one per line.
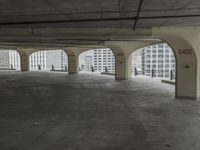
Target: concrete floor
column 56, row 111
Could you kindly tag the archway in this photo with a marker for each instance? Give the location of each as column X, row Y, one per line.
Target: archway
column 155, row 61
column 185, row 47
column 9, row 60
column 186, row 62
column 48, row 60
column 186, row 67
column 101, row 60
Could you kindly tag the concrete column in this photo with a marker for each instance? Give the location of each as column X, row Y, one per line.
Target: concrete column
column 24, row 58
column 73, row 58
column 24, row 62
column 122, row 66
column 123, row 56
column 186, row 73
column 73, row 64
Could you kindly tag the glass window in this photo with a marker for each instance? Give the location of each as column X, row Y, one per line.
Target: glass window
column 160, row 46
column 154, row 56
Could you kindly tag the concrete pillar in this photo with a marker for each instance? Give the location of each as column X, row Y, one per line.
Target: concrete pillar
column 24, row 62
column 73, row 58
column 123, row 56
column 186, row 72
column 24, row 58
column 73, row 64
column 122, row 66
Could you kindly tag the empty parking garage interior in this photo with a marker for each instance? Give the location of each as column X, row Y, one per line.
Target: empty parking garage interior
column 99, row 75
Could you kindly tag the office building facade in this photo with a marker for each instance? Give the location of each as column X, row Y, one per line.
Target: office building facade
column 38, row 61
column 57, row 58
column 86, row 61
column 4, row 59
column 104, row 58
column 14, row 60
column 44, row 60
column 158, row 59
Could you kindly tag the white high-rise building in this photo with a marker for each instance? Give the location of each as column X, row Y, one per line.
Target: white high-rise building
column 44, row 60
column 14, row 59
column 98, row 60
column 64, row 60
column 9, row 59
column 38, row 61
column 159, row 59
column 86, row 61
column 104, row 58
column 4, row 59
column 57, row 58
column 137, row 62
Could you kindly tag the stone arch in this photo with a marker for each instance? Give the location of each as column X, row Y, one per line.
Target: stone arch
column 122, row 51
column 186, row 66
column 121, row 70
column 73, row 57
column 110, row 66
column 35, row 50
column 148, row 45
column 8, row 49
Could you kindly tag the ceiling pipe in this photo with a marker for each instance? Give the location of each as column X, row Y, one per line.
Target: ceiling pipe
column 137, row 15
column 96, row 20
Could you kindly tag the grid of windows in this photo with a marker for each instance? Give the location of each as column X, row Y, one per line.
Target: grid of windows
column 100, row 60
column 4, row 59
column 14, row 59
column 9, row 59
column 44, row 60
column 104, row 58
column 160, row 58
column 86, row 61
column 38, row 61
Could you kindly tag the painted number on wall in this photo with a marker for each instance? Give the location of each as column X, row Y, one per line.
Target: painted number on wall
column 185, row 51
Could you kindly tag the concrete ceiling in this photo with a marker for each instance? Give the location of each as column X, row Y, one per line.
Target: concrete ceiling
column 100, row 13
column 62, row 23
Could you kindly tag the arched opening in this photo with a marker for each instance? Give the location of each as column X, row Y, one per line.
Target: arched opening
column 186, row 67
column 48, row 60
column 155, row 61
column 154, row 66
column 186, row 60
column 101, row 60
column 9, row 60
